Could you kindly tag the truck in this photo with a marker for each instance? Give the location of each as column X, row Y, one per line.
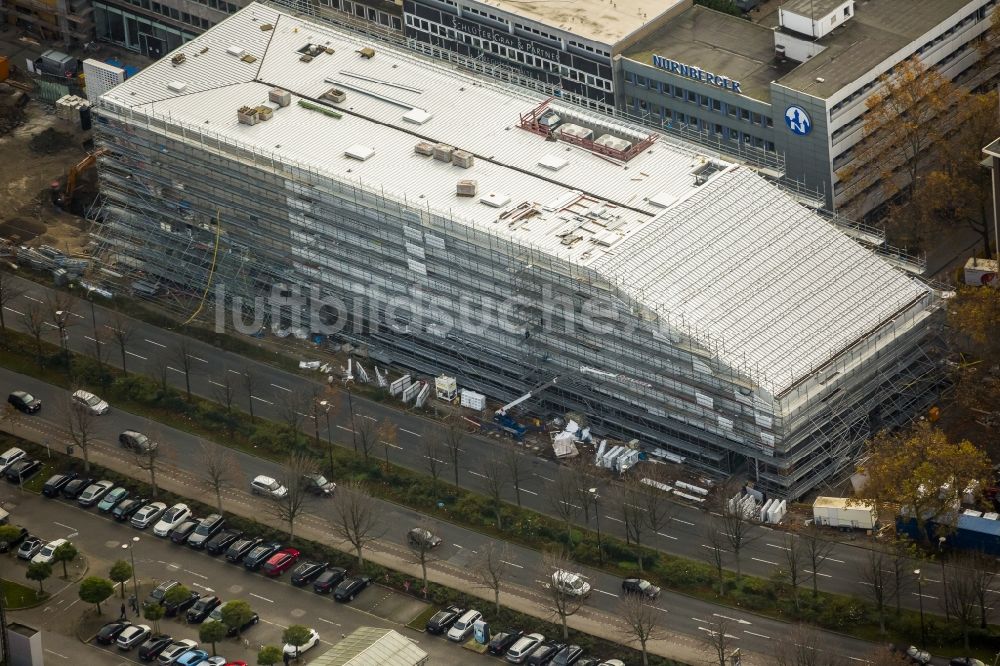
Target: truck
column 841, row 512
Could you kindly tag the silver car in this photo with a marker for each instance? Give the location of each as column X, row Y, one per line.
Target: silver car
column 523, row 648
column 88, row 401
column 132, row 636
column 148, row 515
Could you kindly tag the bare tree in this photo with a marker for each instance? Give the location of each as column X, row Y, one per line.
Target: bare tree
column 641, row 620
column 643, row 510
column 964, row 592
column 356, row 517
column 61, row 309
column 658, row 511
column 582, row 484
column 495, row 477
column 561, row 604
column 81, row 424
column 224, row 392
column 422, row 547
column 122, row 330
column 884, row 656
column 290, row 506
column 453, row 435
column 517, row 470
column 738, row 529
column 161, row 371
column 804, row 647
column 249, row 380
column 432, row 459
column 9, row 290
column 291, row 406
column 795, row 560
column 717, row 552
column 367, row 430
column 149, row 458
column 981, row 565
column 221, row 468
column 388, row 435
column 718, row 640
column 900, row 562
column 33, row 319
column 817, row 550
column 182, row 357
column 491, row 566
column 562, row 497
column 878, row 581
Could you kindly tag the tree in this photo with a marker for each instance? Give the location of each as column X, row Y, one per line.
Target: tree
column 421, row 551
column 878, row 581
column 737, row 528
column 972, row 317
column 212, row 632
column 902, row 466
column 249, row 380
column 154, row 613
column 967, row 585
column 644, row 510
column 65, row 553
column 356, row 517
column 983, row 574
column 95, row 590
column 296, row 635
column 34, row 322
column 291, row 410
column 717, row 551
column 884, row 656
column 817, row 550
column 39, row 572
column 148, row 460
column 61, row 309
column 517, row 470
column 454, row 433
column 161, row 372
column 9, row 533
column 221, row 469
column 718, row 640
column 804, row 647
column 9, row 290
column 120, row 572
column 236, row 614
column 81, row 424
column 641, row 620
column 432, row 459
column 490, row 568
column 182, row 357
column 295, row 501
column 495, row 477
column 562, row 495
column 176, row 595
column 224, row 392
column 366, row 434
column 122, row 330
column 269, row 655
column 561, row 604
column 795, row 559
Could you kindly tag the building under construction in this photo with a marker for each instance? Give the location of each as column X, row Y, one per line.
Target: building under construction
column 447, row 225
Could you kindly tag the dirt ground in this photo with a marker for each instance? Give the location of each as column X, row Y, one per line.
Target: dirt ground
column 27, row 215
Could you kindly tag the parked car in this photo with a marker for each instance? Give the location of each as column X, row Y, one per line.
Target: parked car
column 218, row 661
column 544, row 653
column 29, row 548
column 183, row 605
column 589, row 661
column 525, row 645
column 418, row 537
column 918, row 656
column 307, row 572
column 502, row 641
column 125, row 510
column 93, row 493
column 641, row 587
column 156, row 597
column 462, row 628
column 7, row 545
column 114, row 497
column 202, row 608
column 22, row 470
column 317, row 484
column 329, row 579
column 109, row 633
column 171, row 518
column 134, row 440
column 170, row 653
column 441, row 621
column 47, row 553
column 209, row 526
column 569, row 583
column 296, row 650
column 148, row 515
column 73, row 489
column 221, row 541
column 90, row 402
column 216, row 615
column 241, row 547
column 183, row 532
column 261, row 554
column 612, row 662
column 9, row 457
column 350, row 588
column 192, row 658
column 965, row 661
column 153, row 646
column 132, row 636
column 281, row 562
column 53, row 487
column 568, row 656
column 265, row 485
column 24, row 402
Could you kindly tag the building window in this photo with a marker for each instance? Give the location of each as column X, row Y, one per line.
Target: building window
column 705, row 100
column 731, row 110
column 630, row 77
column 847, row 11
column 641, row 81
column 716, row 105
column 769, row 120
column 745, row 114
column 756, row 119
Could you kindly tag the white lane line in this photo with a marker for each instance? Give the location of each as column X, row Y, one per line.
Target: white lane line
column 32, row 298
column 262, row 400
column 194, row 573
column 175, row 369
column 136, row 355
column 732, row 619
column 214, row 383
column 757, row 559
column 458, row 545
column 757, row 635
column 830, row 559
column 235, row 372
column 62, row 525
column 196, row 358
column 415, row 434
column 17, row 312
column 570, row 504
column 617, row 520
column 50, row 324
column 512, row 564
column 274, row 624
column 370, row 418
column 282, row 388
column 323, row 619
column 261, row 598
column 392, row 445
column 154, row 342
column 343, row 428
column 546, row 478
column 530, row 492
column 61, row 656
column 925, row 596
column 93, row 340
column 78, row 316
column 437, row 460
column 668, row 536
column 810, row 571
column 774, row 545
column 682, row 521
column 610, row 594
column 305, row 416
column 482, row 476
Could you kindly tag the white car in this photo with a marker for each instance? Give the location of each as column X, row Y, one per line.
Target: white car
column 569, row 583
column 523, row 648
column 47, row 553
column 265, row 485
column 133, row 635
column 462, row 628
column 90, row 402
column 171, row 518
column 311, row 643
column 148, row 515
column 175, row 649
column 9, row 457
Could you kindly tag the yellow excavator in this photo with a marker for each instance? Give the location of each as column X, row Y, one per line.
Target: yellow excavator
column 62, row 192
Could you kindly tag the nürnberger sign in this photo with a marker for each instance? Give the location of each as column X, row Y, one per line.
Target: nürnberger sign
column 696, row 73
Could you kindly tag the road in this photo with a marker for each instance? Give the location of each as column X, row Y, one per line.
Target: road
column 762, row 551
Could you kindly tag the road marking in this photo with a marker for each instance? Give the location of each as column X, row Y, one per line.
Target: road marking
column 617, row 520
column 530, row 492
column 50, row 324
column 570, row 504
column 78, row 316
column 925, row 596
column 370, row 418
column 153, row 342
column 93, row 340
column 482, row 476
column 261, row 598
column 323, row 619
column 136, row 355
column 196, row 358
column 757, row 635
column 714, row 633
column 810, row 571
column 393, row 445
column 830, row 559
column 512, row 564
column 274, row 624
column 774, row 545
column 773, row 564
column 32, row 298
column 607, row 593
column 169, row 367
column 668, row 536
column 347, row 429
column 305, row 416
column 457, row 545
column 438, row 460
column 235, row 372
column 216, row 384
column 546, row 478
column 415, row 434
column 682, row 521
column 732, row 619
column 207, row 589
column 17, row 312
column 62, row 525
column 194, row 573
column 262, row 400
column 61, row 656
column 282, row 388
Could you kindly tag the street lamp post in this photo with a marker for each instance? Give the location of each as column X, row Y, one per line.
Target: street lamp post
column 135, row 584
column 920, row 596
column 329, row 435
column 597, row 518
column 350, row 408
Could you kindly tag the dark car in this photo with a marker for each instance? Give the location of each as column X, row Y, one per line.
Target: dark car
column 202, row 608
column 443, row 619
column 544, row 653
column 501, row 642
column 568, row 656
column 183, row 605
column 181, row 533
column 29, row 547
column 307, row 572
column 159, row 593
column 328, row 580
column 153, row 646
column 24, row 401
column 5, row 546
column 56, row 483
column 216, row 615
column 73, row 489
column 418, row 537
column 221, row 541
column 281, row 562
column 350, row 588
column 965, row 661
column 261, row 554
column 109, row 632
column 639, row 586
column 317, row 484
column 125, row 510
column 209, row 526
column 240, row 548
column 136, row 441
column 23, row 470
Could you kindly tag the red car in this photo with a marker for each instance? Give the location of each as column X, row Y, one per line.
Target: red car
column 281, row 561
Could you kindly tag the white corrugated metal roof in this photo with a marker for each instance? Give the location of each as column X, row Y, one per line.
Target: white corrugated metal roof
column 372, row 646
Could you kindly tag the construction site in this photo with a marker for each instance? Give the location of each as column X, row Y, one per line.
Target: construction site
column 276, row 175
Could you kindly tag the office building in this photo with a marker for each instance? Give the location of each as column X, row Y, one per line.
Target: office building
column 63, row 22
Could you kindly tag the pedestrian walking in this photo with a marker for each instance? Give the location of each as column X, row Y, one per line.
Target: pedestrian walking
column 123, row 610
column 133, row 601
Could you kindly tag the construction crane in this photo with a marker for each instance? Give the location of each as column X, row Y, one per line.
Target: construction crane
column 62, row 194
column 514, row 403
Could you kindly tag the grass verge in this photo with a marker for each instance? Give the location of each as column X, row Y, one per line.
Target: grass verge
column 19, row 596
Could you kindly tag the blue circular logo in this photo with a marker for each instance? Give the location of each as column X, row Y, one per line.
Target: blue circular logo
column 798, row 120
